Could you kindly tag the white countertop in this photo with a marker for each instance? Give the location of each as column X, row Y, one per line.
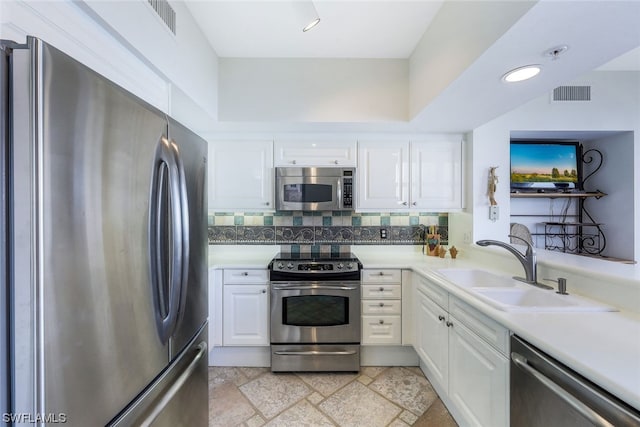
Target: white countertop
column 602, row 346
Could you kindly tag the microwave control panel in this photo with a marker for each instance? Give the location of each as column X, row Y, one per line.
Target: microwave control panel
column 347, row 189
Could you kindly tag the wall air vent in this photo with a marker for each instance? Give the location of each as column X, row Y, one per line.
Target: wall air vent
column 572, row 93
column 165, row 12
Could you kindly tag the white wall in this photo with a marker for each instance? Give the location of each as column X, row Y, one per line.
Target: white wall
column 67, row 27
column 185, row 59
column 615, row 178
column 313, row 90
column 177, row 74
column 615, row 106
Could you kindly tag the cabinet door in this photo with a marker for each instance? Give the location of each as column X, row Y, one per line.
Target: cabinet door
column 315, row 153
column 245, row 315
column 383, row 175
column 432, row 338
column 478, row 378
column 436, row 175
column 241, row 175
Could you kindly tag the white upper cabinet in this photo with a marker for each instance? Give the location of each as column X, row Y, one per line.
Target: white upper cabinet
column 383, row 175
column 315, row 153
column 423, row 175
column 436, row 174
column 241, row 175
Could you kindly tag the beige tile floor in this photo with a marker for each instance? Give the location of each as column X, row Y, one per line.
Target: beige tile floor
column 377, row 396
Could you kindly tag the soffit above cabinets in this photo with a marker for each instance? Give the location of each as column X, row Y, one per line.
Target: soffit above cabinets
column 455, row 53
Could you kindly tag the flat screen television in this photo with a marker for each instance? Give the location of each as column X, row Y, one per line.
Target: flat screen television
column 546, row 166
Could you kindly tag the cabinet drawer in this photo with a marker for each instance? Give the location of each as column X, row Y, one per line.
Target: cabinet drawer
column 435, row 292
column 381, row 291
column 488, row 329
column 391, row 276
column 381, row 329
column 245, row 276
column 393, row 306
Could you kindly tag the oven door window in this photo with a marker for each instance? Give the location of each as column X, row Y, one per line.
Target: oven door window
column 308, row 193
column 315, row 310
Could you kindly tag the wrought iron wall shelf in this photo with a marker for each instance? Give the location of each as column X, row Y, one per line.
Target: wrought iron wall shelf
column 582, row 236
column 554, row 195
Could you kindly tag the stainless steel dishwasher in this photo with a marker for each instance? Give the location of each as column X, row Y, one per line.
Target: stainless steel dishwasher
column 545, row 393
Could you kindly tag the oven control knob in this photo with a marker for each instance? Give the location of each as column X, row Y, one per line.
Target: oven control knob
column 340, row 266
column 349, row 266
column 290, row 266
column 280, row 265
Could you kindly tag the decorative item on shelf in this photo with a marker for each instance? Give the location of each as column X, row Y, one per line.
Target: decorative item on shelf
column 433, row 241
column 442, row 251
column 454, row 252
column 492, row 185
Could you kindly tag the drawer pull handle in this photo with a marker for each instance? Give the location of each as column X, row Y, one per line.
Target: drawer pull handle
column 381, row 304
column 381, row 289
column 382, row 273
column 381, row 322
column 244, row 273
column 449, row 324
column 441, row 318
column 264, row 291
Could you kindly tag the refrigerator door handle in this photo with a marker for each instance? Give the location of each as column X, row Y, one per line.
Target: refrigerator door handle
column 183, row 258
column 166, row 239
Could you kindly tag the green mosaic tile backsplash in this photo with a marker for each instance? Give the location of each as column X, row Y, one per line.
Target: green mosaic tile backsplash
column 332, row 228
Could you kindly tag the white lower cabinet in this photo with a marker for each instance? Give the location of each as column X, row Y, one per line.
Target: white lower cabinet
column 464, row 359
column 432, row 338
column 245, row 308
column 478, row 378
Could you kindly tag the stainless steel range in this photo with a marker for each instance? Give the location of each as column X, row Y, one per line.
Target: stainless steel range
column 315, row 313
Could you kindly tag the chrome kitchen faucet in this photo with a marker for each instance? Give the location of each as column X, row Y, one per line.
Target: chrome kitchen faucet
column 528, row 260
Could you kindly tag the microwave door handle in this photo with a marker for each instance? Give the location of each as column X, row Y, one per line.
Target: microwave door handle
column 339, row 194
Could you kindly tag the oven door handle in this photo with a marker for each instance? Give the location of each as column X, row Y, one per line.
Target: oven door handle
column 315, row 353
column 311, row 287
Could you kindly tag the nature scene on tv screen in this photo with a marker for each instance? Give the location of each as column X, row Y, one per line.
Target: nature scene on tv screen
column 550, row 164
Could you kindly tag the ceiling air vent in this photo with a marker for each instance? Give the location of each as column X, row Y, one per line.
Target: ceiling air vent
column 165, row 12
column 572, row 93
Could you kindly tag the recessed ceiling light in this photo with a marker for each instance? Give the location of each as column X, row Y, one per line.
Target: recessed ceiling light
column 521, row 73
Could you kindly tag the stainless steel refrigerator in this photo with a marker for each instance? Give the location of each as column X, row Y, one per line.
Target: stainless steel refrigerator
column 104, row 275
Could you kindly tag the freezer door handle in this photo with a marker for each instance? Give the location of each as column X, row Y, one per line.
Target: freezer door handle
column 167, row 243
column 201, row 350
column 146, row 408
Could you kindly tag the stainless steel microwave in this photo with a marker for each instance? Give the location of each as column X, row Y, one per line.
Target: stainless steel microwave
column 315, row 189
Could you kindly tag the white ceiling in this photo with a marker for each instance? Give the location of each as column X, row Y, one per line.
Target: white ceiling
column 348, row 29
column 598, row 32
